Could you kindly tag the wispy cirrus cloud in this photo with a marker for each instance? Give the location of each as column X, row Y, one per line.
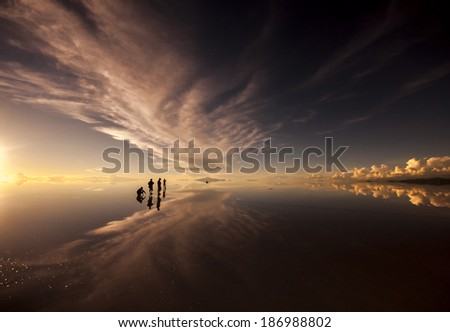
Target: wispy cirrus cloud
column 347, row 123
column 423, row 80
column 310, row 114
column 353, row 72
column 366, row 37
column 126, row 76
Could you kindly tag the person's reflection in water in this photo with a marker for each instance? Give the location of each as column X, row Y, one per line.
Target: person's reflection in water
column 158, row 201
column 150, row 201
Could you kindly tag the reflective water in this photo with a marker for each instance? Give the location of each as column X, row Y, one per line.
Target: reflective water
column 224, row 246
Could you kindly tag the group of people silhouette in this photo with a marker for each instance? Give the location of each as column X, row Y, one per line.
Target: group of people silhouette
column 141, row 194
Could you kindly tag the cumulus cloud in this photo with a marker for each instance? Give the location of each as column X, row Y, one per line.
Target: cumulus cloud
column 126, row 76
column 424, row 167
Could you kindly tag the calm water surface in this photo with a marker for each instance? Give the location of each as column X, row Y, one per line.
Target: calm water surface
column 225, row 247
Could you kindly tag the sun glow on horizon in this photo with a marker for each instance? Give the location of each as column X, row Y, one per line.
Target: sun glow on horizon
column 4, row 177
column 2, row 160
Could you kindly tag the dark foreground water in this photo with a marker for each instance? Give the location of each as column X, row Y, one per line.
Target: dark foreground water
column 225, row 247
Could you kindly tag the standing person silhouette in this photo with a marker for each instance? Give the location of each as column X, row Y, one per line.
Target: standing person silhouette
column 150, row 185
column 164, row 184
column 159, row 185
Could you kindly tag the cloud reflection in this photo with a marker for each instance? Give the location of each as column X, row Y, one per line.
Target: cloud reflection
column 197, row 237
column 427, row 196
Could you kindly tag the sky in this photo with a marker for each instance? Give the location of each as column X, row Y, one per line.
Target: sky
column 78, row 76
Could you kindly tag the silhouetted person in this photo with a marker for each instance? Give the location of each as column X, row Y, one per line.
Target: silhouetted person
column 159, row 184
column 150, row 202
column 164, row 184
column 150, row 185
column 158, row 201
column 140, row 195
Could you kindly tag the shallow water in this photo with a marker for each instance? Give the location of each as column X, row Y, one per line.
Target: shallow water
column 225, row 247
